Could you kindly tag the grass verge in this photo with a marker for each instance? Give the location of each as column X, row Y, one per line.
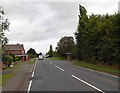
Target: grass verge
column 32, row 61
column 56, row 58
column 102, row 68
column 5, row 77
column 0, row 79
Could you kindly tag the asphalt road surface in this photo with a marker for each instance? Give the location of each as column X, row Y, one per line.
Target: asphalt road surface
column 52, row 75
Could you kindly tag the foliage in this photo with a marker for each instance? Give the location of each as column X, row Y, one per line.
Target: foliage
column 40, row 53
column 4, row 59
column 57, row 58
column 54, row 53
column 9, row 60
column 97, row 37
column 32, row 61
column 6, row 77
column 98, row 67
column 4, row 25
column 50, row 52
column 16, row 59
column 65, row 45
column 31, row 53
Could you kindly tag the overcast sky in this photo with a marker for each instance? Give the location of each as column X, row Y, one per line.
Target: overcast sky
column 37, row 24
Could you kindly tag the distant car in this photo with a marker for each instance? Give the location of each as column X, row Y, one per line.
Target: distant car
column 40, row 57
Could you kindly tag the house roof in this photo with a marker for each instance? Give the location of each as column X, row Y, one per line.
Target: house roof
column 14, row 47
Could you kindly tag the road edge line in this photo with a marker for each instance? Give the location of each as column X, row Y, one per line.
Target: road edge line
column 30, row 83
column 29, row 87
column 31, row 68
column 87, row 84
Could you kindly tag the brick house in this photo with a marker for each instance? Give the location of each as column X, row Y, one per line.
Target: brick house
column 16, row 49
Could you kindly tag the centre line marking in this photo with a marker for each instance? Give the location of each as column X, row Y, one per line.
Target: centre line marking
column 50, row 63
column 59, row 68
column 87, row 83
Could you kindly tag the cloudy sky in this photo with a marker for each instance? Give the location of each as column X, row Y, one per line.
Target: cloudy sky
column 39, row 23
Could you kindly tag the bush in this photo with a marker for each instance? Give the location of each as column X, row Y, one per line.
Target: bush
column 10, row 59
column 4, row 59
column 16, row 58
column 31, row 56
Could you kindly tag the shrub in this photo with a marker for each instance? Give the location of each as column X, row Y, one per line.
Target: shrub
column 16, row 58
column 10, row 59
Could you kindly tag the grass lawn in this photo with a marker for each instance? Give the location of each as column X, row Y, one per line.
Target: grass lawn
column 5, row 77
column 0, row 79
column 102, row 68
column 57, row 58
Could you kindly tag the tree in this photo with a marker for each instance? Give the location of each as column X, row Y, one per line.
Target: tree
column 50, row 52
column 31, row 53
column 4, row 25
column 97, row 37
column 81, row 31
column 39, row 54
column 65, row 45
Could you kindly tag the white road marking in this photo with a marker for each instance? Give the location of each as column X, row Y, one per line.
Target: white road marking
column 31, row 68
column 29, row 86
column 87, row 84
column 59, row 68
column 50, row 63
column 33, row 74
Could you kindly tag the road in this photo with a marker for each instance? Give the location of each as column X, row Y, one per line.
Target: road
column 51, row 75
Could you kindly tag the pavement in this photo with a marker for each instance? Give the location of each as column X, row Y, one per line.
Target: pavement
column 19, row 80
column 53, row 75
